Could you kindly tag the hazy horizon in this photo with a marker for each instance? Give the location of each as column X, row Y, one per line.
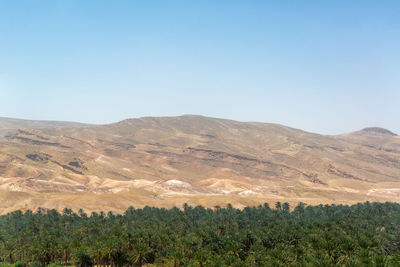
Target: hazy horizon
column 323, row 67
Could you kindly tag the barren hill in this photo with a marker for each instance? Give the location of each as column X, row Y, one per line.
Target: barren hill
column 9, row 126
column 168, row 161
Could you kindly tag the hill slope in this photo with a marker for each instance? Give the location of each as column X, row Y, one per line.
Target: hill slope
column 171, row 160
column 9, row 126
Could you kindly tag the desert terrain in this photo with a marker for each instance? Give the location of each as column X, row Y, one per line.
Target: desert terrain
column 168, row 161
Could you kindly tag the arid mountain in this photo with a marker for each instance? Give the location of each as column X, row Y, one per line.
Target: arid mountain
column 9, row 126
column 168, row 161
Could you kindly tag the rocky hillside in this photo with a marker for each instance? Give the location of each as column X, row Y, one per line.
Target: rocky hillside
column 9, row 126
column 199, row 160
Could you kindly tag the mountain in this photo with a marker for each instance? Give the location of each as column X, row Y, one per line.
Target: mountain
column 9, row 125
column 167, row 161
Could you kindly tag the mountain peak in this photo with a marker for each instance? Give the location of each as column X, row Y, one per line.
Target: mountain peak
column 378, row 131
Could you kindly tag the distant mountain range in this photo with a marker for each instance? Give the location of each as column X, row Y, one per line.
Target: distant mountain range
column 167, row 161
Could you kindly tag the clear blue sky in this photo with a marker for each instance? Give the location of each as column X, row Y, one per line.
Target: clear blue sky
column 323, row 66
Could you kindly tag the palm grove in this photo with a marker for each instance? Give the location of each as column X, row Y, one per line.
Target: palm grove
column 326, row 235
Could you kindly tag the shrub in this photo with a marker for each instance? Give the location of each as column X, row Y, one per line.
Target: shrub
column 35, row 264
column 19, row 264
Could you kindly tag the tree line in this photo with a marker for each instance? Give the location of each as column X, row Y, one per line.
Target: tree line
column 365, row 234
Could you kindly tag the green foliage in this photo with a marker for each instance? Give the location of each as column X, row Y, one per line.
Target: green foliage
column 19, row 264
column 325, row 235
column 83, row 259
column 35, row 264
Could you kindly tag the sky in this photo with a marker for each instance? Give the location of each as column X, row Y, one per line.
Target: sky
column 329, row 67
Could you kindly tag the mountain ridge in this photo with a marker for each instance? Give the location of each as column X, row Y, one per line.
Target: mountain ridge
column 60, row 123
column 166, row 161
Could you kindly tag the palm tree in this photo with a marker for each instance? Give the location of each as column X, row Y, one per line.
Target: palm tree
column 82, row 259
